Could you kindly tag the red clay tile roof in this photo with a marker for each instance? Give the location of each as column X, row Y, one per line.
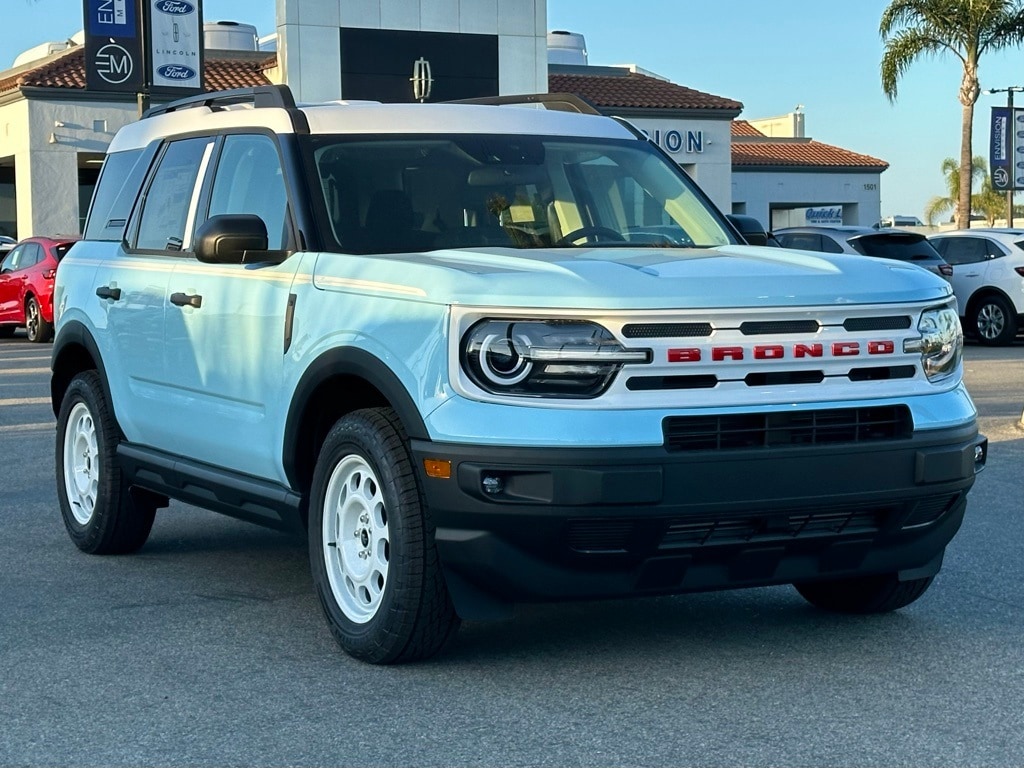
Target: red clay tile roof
column 743, row 128
column 633, row 90
column 799, row 154
column 68, row 71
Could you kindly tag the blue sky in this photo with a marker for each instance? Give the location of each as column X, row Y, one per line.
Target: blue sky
column 770, row 55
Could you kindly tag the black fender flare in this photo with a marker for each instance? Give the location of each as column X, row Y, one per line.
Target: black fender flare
column 347, row 361
column 74, row 334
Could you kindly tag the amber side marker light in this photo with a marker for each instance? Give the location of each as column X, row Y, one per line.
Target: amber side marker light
column 439, row 468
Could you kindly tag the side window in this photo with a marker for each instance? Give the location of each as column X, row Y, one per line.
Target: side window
column 828, row 245
column 33, row 255
column 250, row 180
column 964, row 250
column 170, row 202
column 12, row 260
column 118, row 186
column 801, row 241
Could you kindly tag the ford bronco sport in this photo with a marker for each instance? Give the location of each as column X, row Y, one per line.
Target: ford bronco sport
column 486, row 354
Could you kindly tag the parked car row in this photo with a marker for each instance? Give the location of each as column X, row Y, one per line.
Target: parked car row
column 26, row 286
column 984, row 266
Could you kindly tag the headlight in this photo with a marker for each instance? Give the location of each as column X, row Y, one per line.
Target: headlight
column 941, row 344
column 544, row 358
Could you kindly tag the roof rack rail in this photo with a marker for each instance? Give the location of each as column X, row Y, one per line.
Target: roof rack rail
column 260, row 96
column 558, row 102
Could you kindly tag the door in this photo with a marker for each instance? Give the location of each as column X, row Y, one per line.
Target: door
column 971, row 258
column 226, row 324
column 133, row 285
column 10, row 284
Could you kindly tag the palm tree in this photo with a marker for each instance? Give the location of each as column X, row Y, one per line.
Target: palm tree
column 939, row 205
column 911, row 29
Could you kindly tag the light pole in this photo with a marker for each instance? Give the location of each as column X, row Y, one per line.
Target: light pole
column 1009, row 91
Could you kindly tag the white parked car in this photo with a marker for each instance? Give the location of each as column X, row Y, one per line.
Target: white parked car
column 988, row 280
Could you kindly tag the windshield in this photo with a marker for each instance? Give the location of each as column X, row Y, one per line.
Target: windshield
column 400, row 194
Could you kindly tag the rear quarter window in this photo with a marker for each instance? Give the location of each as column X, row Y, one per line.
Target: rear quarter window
column 898, row 247
column 116, row 191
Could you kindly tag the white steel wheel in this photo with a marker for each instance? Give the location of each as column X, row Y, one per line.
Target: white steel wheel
column 103, row 516
column 81, row 463
column 371, row 544
column 356, row 542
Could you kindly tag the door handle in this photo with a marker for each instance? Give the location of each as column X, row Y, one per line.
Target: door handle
column 106, row 292
column 185, row 300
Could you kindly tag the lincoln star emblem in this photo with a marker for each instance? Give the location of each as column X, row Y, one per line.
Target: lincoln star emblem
column 421, row 80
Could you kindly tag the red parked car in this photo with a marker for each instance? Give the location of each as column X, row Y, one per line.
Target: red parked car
column 26, row 286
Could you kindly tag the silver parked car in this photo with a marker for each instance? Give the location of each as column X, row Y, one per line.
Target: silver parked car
column 867, row 241
column 988, row 280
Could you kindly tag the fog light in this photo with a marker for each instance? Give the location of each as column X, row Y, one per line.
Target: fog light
column 492, row 484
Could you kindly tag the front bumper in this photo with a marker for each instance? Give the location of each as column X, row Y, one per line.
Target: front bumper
column 533, row 524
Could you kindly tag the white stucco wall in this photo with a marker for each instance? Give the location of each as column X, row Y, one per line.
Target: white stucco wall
column 46, row 172
column 309, row 45
column 759, row 191
column 708, row 161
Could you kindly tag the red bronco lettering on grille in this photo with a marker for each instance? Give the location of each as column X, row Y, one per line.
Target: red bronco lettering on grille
column 781, row 351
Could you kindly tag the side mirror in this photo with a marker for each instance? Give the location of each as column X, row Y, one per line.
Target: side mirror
column 225, row 239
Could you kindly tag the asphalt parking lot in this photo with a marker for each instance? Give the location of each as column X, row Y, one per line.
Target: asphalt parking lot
column 207, row 648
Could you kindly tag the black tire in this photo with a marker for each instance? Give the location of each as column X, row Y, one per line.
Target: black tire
column 6, row 331
column 381, row 586
column 994, row 321
column 102, row 515
column 867, row 594
column 39, row 330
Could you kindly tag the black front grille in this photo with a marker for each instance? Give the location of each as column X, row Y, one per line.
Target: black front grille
column 755, row 328
column 772, row 430
column 819, row 522
column 894, row 323
column 666, row 330
column 645, row 535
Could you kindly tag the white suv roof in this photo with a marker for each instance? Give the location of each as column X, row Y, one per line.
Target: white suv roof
column 364, row 118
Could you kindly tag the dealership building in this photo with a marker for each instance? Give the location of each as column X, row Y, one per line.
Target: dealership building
column 54, row 129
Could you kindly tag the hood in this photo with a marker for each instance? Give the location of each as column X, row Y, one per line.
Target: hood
column 633, row 278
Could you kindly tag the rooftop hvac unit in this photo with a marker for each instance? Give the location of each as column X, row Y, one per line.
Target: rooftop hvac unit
column 566, row 48
column 41, row 52
column 229, row 36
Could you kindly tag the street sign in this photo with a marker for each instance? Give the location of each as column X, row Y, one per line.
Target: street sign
column 144, row 46
column 175, row 30
column 113, row 46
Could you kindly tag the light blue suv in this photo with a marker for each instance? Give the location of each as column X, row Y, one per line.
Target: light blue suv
column 484, row 354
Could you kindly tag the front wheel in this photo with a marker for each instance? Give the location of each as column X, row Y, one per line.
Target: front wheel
column 102, row 516
column 867, row 594
column 371, row 545
column 995, row 321
column 39, row 330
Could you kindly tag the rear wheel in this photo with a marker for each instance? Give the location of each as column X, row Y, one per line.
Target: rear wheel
column 994, row 321
column 371, row 545
column 867, row 594
column 6, row 331
column 101, row 514
column 39, row 330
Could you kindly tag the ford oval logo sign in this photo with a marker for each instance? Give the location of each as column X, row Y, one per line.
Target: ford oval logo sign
column 176, row 72
column 174, row 7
